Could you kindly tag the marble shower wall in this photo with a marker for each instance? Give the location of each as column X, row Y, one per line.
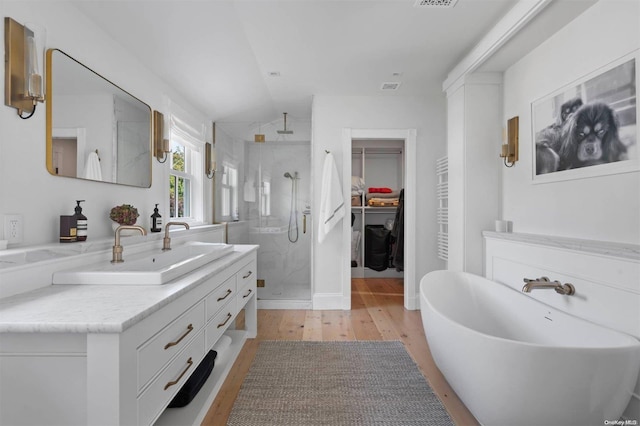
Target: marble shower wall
column 267, row 196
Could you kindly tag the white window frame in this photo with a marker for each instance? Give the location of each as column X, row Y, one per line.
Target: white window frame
column 192, row 140
column 229, row 203
column 265, row 195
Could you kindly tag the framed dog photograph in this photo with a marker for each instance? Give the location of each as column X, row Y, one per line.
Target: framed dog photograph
column 590, row 127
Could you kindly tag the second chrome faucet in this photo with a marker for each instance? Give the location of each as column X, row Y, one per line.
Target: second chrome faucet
column 166, row 241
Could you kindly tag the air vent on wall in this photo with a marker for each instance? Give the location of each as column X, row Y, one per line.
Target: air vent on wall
column 435, row 3
column 390, row 86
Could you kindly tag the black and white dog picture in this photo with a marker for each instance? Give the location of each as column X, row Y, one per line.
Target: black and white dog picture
column 590, row 124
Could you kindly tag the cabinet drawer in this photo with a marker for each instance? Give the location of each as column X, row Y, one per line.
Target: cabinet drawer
column 157, row 396
column 247, row 275
column 220, row 297
column 220, row 323
column 160, row 348
column 243, row 295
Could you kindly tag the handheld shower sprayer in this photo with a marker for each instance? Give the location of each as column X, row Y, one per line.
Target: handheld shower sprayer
column 293, row 213
column 288, row 175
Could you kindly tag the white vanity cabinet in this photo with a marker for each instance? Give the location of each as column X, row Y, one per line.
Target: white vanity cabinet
column 103, row 376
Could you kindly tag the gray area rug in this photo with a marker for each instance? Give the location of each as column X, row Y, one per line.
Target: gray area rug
column 335, row 383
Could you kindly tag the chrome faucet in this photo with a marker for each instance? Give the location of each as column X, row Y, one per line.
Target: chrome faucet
column 117, row 248
column 166, row 241
column 544, row 282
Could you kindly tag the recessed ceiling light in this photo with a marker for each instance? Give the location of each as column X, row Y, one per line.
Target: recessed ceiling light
column 435, row 3
column 390, row 86
column 273, row 73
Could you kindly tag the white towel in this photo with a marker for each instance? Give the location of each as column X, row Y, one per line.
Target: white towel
column 331, row 201
column 92, row 168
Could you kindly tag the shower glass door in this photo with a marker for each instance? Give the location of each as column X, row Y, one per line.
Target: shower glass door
column 277, row 193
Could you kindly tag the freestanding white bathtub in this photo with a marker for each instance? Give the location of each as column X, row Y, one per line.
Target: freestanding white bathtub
column 515, row 361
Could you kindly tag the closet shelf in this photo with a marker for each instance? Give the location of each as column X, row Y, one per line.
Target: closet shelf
column 368, row 209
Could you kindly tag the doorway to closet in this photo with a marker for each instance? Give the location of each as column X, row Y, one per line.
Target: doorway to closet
column 377, row 180
column 382, row 164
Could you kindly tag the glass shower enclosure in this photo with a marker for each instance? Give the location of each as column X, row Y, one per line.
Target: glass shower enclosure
column 271, row 209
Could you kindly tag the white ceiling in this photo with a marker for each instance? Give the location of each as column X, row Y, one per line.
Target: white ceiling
column 219, row 53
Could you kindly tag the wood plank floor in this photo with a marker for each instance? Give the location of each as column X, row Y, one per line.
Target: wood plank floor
column 377, row 313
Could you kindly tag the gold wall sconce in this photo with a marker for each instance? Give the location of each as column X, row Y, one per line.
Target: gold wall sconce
column 209, row 160
column 160, row 144
column 510, row 149
column 210, row 155
column 23, row 83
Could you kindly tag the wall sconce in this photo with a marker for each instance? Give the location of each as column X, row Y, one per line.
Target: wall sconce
column 209, row 160
column 510, row 149
column 160, row 144
column 210, row 155
column 23, row 85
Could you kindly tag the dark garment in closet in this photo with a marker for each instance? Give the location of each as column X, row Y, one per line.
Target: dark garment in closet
column 397, row 252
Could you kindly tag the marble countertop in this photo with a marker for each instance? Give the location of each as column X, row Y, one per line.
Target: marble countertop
column 99, row 308
column 606, row 248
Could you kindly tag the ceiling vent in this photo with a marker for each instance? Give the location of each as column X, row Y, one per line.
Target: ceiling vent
column 435, row 3
column 390, row 86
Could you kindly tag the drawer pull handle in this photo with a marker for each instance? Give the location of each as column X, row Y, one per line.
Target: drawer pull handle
column 225, row 296
column 247, row 295
column 189, row 330
column 248, row 275
column 225, row 321
column 168, row 385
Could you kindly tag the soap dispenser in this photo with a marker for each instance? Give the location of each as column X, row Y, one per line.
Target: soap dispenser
column 156, row 220
column 81, row 220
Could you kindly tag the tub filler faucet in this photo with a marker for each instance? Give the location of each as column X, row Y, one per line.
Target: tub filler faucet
column 544, row 282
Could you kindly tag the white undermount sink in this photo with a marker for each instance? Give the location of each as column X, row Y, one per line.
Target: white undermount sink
column 152, row 269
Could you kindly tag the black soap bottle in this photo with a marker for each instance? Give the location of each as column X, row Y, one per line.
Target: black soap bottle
column 156, row 220
column 81, row 221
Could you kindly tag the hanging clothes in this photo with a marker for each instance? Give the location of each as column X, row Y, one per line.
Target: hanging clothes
column 398, row 235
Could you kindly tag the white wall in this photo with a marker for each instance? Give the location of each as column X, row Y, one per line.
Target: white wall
column 473, row 120
column 331, row 114
column 27, row 188
column 599, row 208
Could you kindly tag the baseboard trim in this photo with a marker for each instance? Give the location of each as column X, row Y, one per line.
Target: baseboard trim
column 284, row 304
column 327, row 301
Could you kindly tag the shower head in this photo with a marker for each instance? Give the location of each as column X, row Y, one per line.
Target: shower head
column 285, row 131
column 288, row 175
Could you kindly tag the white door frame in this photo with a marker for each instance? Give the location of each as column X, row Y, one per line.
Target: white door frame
column 410, row 162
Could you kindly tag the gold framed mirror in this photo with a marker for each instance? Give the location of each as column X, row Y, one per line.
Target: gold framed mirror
column 95, row 129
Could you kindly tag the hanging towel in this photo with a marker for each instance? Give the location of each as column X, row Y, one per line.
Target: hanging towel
column 331, row 202
column 92, row 168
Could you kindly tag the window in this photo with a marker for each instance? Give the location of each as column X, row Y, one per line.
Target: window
column 265, row 205
column 186, row 186
column 229, row 192
column 180, row 180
